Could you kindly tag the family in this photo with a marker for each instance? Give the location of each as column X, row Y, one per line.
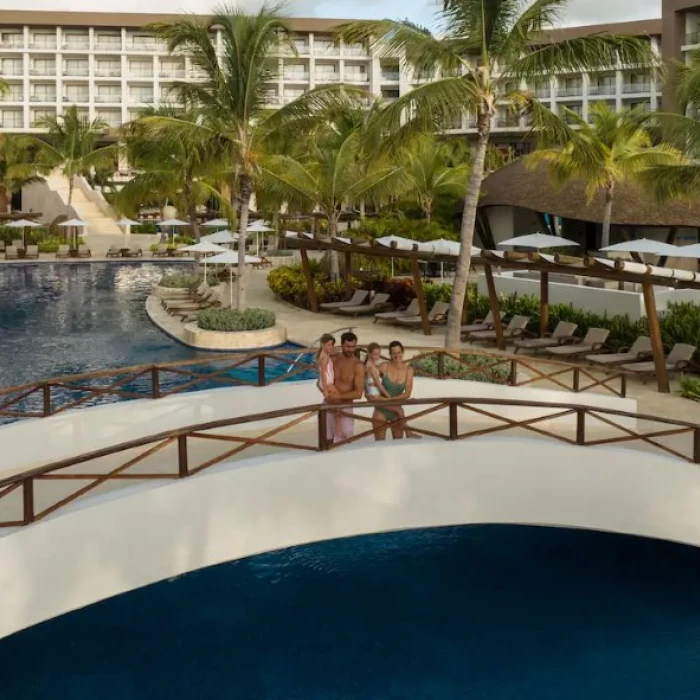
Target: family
column 345, row 378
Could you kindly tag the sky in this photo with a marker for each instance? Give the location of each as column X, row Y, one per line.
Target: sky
column 420, row 11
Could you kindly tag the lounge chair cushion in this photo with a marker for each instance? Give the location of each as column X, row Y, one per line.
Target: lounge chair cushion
column 357, row 298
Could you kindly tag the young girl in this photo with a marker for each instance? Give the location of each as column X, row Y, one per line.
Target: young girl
column 373, row 380
column 326, row 381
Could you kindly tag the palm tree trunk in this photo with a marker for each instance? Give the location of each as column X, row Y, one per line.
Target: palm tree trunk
column 362, row 209
column 471, row 200
column 333, row 232
column 70, row 202
column 245, row 189
column 607, row 216
column 428, row 209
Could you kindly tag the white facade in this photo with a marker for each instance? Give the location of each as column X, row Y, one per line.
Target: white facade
column 113, row 73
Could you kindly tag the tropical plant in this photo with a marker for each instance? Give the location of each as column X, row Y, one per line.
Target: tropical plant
column 71, row 146
column 613, row 147
column 233, row 320
column 429, row 174
column 17, row 166
column 231, row 96
column 170, row 170
column 332, row 170
column 483, row 50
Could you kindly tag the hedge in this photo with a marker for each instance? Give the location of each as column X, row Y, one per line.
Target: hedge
column 481, row 368
column 232, row 320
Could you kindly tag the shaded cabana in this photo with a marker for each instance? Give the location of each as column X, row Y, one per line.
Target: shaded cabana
column 600, row 268
column 518, row 186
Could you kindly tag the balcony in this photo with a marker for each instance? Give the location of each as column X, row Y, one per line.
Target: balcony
column 542, row 93
column 356, row 77
column 77, row 98
column 108, row 44
column 635, row 88
column 323, row 78
column 140, row 73
column 141, row 99
column 47, row 44
column 13, row 122
column 48, row 69
column 43, row 97
column 570, row 91
column 296, row 77
column 172, row 74
column 326, row 48
column 114, row 72
column 76, row 71
column 145, row 45
column 114, row 98
column 12, row 70
column 76, row 44
column 12, row 97
column 355, row 51
column 13, row 42
column 507, row 122
column 601, row 89
column 390, row 76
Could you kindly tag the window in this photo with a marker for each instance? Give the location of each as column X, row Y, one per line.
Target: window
column 141, row 93
column 39, row 114
column 43, row 92
column 43, row 40
column 143, row 42
column 108, row 93
column 15, row 93
column 12, row 119
column 12, row 66
column 76, row 93
column 108, row 69
column 109, row 42
column 111, row 117
column 75, row 66
column 142, row 69
column 43, row 66
column 13, row 40
column 356, row 74
column 76, row 40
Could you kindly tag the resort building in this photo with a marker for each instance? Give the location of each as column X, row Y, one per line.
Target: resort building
column 111, row 67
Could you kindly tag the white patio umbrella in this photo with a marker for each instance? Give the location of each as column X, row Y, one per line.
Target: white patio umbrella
column 126, row 224
column 688, row 251
column 398, row 242
column 443, row 246
column 24, row 224
column 230, row 258
column 538, row 241
column 220, row 237
column 173, row 223
column 204, row 247
column 75, row 223
column 643, row 245
column 257, row 227
column 215, row 223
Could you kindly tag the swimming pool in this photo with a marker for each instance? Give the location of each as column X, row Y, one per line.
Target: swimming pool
column 487, row 612
column 60, row 319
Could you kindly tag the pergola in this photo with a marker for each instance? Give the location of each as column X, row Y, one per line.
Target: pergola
column 598, row 268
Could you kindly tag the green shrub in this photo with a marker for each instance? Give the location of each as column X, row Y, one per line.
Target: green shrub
column 231, row 320
column 147, row 227
column 690, row 387
column 180, row 281
column 289, row 284
column 476, row 368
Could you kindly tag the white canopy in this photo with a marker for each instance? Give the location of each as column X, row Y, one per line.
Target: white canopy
column 74, row 222
column 642, row 245
column 220, row 237
column 538, row 241
column 398, row 242
column 23, row 223
column 230, row 257
column 688, row 251
column 203, row 247
column 173, row 222
column 215, row 223
column 259, row 226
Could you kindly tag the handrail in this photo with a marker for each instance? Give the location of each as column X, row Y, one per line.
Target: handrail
column 517, row 370
column 313, row 344
column 453, row 405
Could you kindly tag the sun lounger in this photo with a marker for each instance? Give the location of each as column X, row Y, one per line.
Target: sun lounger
column 161, row 251
column 212, row 302
column 32, row 252
column 411, row 310
column 357, row 298
column 172, row 305
column 135, row 252
column 11, row 253
column 2, row 246
column 679, row 358
column 114, row 252
column 63, row 251
column 639, row 350
column 437, row 314
column 563, row 333
column 484, row 324
column 264, row 262
column 84, row 252
column 18, row 243
column 379, row 301
column 591, row 343
column 515, row 329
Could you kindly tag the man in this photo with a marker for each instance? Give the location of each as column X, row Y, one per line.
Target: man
column 349, row 383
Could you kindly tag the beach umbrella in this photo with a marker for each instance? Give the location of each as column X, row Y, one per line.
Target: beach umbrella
column 257, row 227
column 215, row 223
column 538, row 241
column 643, row 245
column 76, row 224
column 230, row 258
column 398, row 242
column 220, row 237
column 24, row 224
column 126, row 224
column 173, row 224
column 204, row 247
column 688, row 251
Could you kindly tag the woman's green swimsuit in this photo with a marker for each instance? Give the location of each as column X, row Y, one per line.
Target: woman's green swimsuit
column 393, row 389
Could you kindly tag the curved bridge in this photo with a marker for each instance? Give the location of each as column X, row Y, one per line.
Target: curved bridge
column 141, row 521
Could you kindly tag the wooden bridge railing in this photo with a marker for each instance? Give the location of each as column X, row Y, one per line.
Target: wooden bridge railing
column 154, row 381
column 458, row 419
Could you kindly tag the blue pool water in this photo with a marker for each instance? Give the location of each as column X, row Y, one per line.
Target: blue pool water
column 489, row 612
column 68, row 319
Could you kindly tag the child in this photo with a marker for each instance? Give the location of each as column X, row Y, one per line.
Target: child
column 373, row 380
column 326, row 381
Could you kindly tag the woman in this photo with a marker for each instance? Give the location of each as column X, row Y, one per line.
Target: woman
column 397, row 382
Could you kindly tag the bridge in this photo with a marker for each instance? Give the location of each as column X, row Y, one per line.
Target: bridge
column 99, row 501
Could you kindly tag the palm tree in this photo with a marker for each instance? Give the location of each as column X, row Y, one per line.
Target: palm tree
column 429, row 174
column 71, row 145
column 169, row 169
column 332, row 171
column 231, row 96
column 614, row 147
column 483, row 52
column 17, row 167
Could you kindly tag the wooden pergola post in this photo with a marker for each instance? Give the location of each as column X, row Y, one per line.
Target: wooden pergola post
column 348, row 267
column 495, row 307
column 657, row 347
column 306, row 267
column 544, row 302
column 420, row 296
